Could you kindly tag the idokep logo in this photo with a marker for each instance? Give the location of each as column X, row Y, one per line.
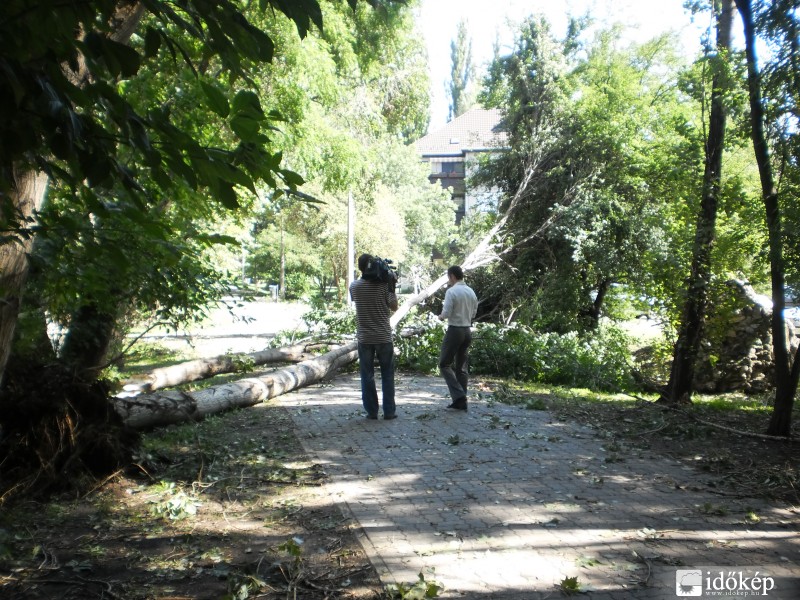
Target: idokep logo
column 689, row 582
column 709, row 582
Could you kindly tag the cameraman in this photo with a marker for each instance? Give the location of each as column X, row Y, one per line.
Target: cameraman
column 375, row 301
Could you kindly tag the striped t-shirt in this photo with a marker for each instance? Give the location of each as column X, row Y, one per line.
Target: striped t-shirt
column 372, row 299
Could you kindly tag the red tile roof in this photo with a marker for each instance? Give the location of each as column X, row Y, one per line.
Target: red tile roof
column 477, row 129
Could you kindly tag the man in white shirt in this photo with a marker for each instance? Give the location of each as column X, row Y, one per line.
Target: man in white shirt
column 459, row 309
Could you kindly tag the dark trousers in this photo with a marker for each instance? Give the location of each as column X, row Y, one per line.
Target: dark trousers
column 454, row 358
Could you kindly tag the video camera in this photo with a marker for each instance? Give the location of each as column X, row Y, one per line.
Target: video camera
column 380, row 269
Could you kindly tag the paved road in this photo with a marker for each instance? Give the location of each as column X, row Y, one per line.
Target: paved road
column 244, row 327
column 505, row 503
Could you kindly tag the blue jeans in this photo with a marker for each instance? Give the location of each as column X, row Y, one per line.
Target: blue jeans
column 369, row 394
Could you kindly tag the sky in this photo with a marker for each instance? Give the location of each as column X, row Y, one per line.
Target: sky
column 487, row 20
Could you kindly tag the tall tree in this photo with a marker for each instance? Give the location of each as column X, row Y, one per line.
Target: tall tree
column 786, row 370
column 63, row 104
column 679, row 388
column 462, row 72
column 583, row 160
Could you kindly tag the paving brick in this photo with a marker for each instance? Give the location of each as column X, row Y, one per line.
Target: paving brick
column 503, row 503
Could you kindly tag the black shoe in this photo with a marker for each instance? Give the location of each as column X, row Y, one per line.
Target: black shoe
column 389, row 417
column 372, row 417
column 459, row 404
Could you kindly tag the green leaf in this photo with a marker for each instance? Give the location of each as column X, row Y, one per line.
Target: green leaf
column 302, row 12
column 217, row 101
column 217, row 238
column 126, row 57
column 246, row 127
column 291, row 178
column 226, row 194
column 247, row 102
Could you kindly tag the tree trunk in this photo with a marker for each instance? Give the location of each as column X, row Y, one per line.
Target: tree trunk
column 209, row 367
column 153, row 410
column 785, row 379
column 88, row 340
column 593, row 311
column 679, row 388
column 26, row 197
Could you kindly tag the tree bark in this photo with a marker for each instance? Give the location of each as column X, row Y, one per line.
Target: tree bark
column 204, row 368
column 166, row 408
column 26, row 197
column 786, row 377
column 87, row 341
column 28, row 188
column 681, row 379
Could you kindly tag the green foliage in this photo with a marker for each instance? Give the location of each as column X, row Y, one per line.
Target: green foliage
column 330, row 322
column 462, row 72
column 420, row 352
column 599, row 361
column 419, row 590
column 603, row 177
column 569, row 586
column 173, row 503
column 167, row 124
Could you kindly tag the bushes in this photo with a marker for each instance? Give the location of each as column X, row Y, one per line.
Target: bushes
column 420, row 352
column 598, row 361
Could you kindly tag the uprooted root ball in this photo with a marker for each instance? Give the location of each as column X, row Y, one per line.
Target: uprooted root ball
column 57, row 432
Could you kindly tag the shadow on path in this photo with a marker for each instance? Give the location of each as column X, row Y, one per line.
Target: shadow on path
column 502, row 502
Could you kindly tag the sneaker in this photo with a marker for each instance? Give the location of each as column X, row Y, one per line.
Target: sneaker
column 372, row 417
column 389, row 417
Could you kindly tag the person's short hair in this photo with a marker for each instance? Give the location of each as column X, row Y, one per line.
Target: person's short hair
column 456, row 272
column 363, row 261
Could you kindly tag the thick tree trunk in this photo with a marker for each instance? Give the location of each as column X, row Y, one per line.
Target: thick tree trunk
column 785, row 376
column 26, row 197
column 28, row 188
column 88, row 340
column 204, row 368
column 679, row 388
column 153, row 410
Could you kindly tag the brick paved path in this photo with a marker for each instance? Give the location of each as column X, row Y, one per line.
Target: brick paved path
column 504, row 503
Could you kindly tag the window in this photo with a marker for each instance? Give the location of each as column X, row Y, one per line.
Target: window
column 447, row 168
column 460, row 207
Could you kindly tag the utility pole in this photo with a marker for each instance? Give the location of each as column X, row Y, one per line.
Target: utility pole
column 282, row 282
column 351, row 246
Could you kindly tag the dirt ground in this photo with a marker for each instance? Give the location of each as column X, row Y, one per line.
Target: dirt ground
column 227, row 508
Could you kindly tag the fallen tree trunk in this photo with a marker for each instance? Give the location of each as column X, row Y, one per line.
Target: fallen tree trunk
column 203, row 368
column 166, row 408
